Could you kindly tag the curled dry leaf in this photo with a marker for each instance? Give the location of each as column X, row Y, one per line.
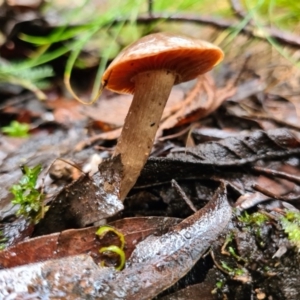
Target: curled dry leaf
column 272, row 112
column 147, row 272
column 203, row 99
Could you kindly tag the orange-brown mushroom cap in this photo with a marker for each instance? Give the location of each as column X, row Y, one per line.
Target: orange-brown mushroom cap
column 184, row 56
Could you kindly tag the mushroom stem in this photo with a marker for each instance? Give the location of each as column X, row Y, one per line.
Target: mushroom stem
column 152, row 90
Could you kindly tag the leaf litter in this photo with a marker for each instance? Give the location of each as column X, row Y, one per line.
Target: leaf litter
column 172, row 254
column 250, row 129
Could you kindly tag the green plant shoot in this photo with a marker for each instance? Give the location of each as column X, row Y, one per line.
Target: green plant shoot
column 27, row 196
column 113, row 249
column 16, row 129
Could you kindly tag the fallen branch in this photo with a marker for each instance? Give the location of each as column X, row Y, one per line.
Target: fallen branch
column 238, row 9
column 274, row 33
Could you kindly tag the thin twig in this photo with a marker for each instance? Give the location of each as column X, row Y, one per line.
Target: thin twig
column 242, row 70
column 16, row 100
column 268, row 193
column 181, row 192
column 150, row 8
column 175, row 135
column 273, row 119
column 274, row 173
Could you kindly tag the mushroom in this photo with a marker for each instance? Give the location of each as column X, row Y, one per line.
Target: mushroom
column 148, row 69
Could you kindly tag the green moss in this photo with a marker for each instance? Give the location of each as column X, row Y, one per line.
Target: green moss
column 291, row 226
column 29, row 199
column 256, row 218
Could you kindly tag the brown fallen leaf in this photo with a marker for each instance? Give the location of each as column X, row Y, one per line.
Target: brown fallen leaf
column 110, row 115
column 65, row 170
column 271, row 111
column 109, row 110
column 112, row 110
column 267, row 189
column 65, row 111
column 80, row 241
column 202, row 100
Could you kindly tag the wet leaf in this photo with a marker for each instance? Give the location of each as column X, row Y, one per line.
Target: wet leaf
column 243, row 149
column 85, row 201
column 212, row 158
column 232, row 159
column 171, row 256
column 41, row 149
column 16, row 231
column 80, row 241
